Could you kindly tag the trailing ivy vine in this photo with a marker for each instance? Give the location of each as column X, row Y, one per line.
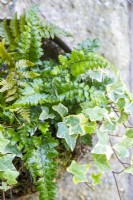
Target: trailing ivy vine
column 48, row 109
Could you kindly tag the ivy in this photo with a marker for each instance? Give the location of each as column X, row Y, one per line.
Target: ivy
column 50, row 110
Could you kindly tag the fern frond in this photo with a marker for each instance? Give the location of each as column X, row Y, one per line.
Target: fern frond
column 24, row 64
column 22, row 23
column 14, row 26
column 5, row 32
column 79, row 62
column 23, row 112
column 5, row 55
column 40, row 162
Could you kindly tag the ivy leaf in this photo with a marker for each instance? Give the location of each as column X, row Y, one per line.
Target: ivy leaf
column 102, row 136
column 77, row 124
column 129, row 169
column 61, row 109
column 79, row 172
column 123, row 117
column 6, row 162
column 7, row 169
column 115, row 90
column 96, row 75
column 45, row 114
column 4, row 186
column 63, row 132
column 101, row 162
column 121, row 103
column 108, row 126
column 10, row 176
column 129, row 133
column 90, row 127
column 3, row 143
column 96, row 113
column 102, row 149
column 123, row 146
column 129, row 108
column 96, row 178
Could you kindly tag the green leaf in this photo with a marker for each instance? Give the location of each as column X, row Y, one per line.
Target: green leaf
column 96, row 113
column 96, row 75
column 79, row 172
column 4, row 186
column 10, row 176
column 102, row 149
column 101, row 162
column 129, row 108
column 24, row 64
column 123, row 146
column 121, row 103
column 63, row 132
column 90, row 127
column 123, row 117
column 61, row 109
column 7, row 169
column 129, row 133
column 3, row 143
column 96, row 178
column 76, row 123
column 102, row 136
column 129, row 169
column 45, row 114
column 116, row 89
column 6, row 162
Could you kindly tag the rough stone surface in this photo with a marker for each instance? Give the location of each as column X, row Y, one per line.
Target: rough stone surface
column 108, row 21
column 103, row 19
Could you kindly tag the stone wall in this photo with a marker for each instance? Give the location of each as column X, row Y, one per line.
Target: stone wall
column 108, row 21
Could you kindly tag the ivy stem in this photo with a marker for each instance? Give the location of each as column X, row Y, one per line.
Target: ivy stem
column 4, row 198
column 118, row 172
column 117, row 156
column 116, row 185
column 91, row 187
column 114, row 135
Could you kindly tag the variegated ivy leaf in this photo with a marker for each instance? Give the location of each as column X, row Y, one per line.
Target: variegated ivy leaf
column 4, row 186
column 45, row 114
column 63, row 132
column 123, row 147
column 96, row 178
column 102, row 149
column 96, row 75
column 116, row 89
column 61, row 109
column 123, row 117
column 3, row 143
column 130, row 169
column 79, row 172
column 101, row 162
column 108, row 126
column 98, row 96
column 78, row 124
column 7, row 169
column 129, row 108
column 102, row 136
column 96, row 113
column 10, row 176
